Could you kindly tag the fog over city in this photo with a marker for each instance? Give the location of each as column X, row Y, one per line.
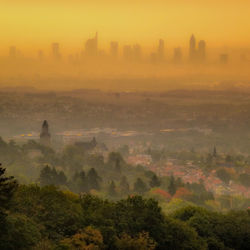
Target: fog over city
column 124, row 125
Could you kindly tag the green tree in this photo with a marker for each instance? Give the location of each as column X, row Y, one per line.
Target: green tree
column 172, row 186
column 214, row 152
column 89, row 238
column 93, row 179
column 22, row 233
column 49, row 176
column 61, row 178
column 46, row 177
column 140, row 187
column 59, row 213
column 8, row 185
column 112, row 189
column 124, row 186
column 140, row 242
column 7, row 188
column 178, row 235
column 154, row 182
column 245, row 179
column 115, row 162
column 223, row 175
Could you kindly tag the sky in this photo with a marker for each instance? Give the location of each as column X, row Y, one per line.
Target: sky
column 37, row 23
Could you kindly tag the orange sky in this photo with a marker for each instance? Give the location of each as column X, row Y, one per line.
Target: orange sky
column 37, row 23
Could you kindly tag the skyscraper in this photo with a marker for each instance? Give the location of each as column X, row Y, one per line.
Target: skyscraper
column 91, row 46
column 161, row 50
column 192, row 48
column 45, row 135
column 202, row 51
column 56, row 51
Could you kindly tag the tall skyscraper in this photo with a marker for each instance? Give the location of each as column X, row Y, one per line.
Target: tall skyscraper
column 114, row 49
column 192, row 48
column 56, row 51
column 45, row 135
column 91, row 46
column 177, row 55
column 161, row 50
column 202, row 51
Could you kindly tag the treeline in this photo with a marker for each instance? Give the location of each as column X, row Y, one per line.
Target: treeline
column 91, row 182
column 34, row 217
column 81, row 171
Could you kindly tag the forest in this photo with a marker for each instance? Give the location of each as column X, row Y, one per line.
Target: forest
column 79, row 199
column 34, row 217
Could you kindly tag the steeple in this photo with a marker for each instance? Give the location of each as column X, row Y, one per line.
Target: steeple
column 45, row 135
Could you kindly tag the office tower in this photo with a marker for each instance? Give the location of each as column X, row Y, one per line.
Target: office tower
column 161, row 50
column 56, row 51
column 91, row 46
column 114, row 49
column 12, row 52
column 177, row 55
column 202, row 51
column 192, row 49
column 224, row 58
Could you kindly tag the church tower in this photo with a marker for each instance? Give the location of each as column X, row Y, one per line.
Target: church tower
column 45, row 135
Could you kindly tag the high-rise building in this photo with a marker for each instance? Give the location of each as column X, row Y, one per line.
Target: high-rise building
column 192, row 48
column 45, row 135
column 202, row 51
column 161, row 50
column 56, row 51
column 91, row 46
column 114, row 49
column 177, row 55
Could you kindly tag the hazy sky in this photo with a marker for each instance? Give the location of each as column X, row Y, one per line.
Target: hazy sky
column 71, row 22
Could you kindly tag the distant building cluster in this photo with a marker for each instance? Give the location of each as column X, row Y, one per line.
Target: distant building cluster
column 131, row 52
column 197, row 53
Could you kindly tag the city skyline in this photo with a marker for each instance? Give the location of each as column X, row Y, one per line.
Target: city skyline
column 196, row 51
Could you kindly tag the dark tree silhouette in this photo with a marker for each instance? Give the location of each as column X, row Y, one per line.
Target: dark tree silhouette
column 172, row 186
column 93, row 179
column 140, row 187
column 111, row 189
column 124, row 186
column 154, row 182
